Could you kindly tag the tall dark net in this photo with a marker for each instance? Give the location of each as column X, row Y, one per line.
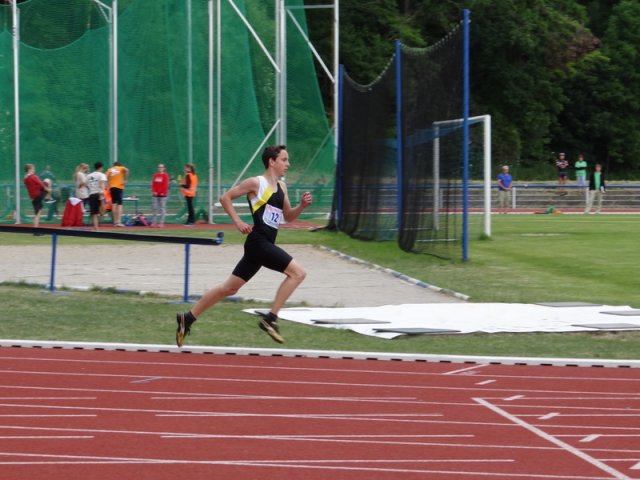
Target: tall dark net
column 432, row 143
column 367, row 169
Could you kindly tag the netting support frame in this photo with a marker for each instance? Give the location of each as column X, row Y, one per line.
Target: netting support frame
column 15, row 19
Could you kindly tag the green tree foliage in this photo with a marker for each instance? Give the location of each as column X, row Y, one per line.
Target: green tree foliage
column 554, row 74
column 602, row 117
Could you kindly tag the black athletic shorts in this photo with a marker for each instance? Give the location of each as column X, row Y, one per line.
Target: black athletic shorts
column 116, row 195
column 38, row 202
column 260, row 252
column 94, row 203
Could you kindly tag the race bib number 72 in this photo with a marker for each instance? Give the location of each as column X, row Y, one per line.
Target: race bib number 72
column 272, row 216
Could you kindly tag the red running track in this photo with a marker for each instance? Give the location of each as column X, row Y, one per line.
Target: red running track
column 78, row 414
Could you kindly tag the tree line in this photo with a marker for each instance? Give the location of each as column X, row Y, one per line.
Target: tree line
column 556, row 75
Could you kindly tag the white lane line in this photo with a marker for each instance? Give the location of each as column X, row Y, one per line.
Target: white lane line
column 47, row 398
column 17, row 415
column 467, row 370
column 513, row 398
column 548, row 416
column 439, row 388
column 616, row 396
column 596, row 436
column 486, row 382
column 46, row 437
column 394, row 373
column 549, row 438
column 147, row 380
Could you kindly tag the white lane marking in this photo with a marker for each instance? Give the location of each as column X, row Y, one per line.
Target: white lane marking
column 549, row 438
column 46, row 437
column 465, row 370
column 486, row 382
column 549, row 416
column 295, row 382
column 147, row 380
column 17, row 415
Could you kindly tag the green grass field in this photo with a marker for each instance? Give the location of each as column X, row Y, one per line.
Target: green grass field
column 530, row 258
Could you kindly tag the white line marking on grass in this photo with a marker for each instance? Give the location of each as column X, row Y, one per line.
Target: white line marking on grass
column 549, row 438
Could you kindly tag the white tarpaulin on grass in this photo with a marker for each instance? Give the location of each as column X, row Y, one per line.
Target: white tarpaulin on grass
column 390, row 321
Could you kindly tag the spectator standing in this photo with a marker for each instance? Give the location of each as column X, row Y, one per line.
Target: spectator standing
column 80, row 181
column 159, row 192
column 189, row 190
column 504, row 188
column 581, row 171
column 117, row 177
column 37, row 190
column 96, row 182
column 597, row 187
column 563, row 169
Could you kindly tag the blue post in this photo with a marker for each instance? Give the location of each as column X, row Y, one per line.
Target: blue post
column 187, row 249
column 465, row 139
column 52, row 276
column 399, row 143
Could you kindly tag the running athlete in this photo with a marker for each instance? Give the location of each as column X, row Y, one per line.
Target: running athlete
column 269, row 204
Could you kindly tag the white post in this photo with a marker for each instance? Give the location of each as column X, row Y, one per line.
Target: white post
column 281, row 54
column 487, row 174
column 190, row 80
column 210, row 119
column 16, row 100
column 219, row 95
column 114, row 80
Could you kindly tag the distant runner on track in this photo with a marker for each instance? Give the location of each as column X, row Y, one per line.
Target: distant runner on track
column 269, row 203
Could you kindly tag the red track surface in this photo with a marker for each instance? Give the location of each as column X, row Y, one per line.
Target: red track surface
column 77, row 414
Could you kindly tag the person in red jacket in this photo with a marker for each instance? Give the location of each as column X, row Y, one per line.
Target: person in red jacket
column 159, row 192
column 37, row 190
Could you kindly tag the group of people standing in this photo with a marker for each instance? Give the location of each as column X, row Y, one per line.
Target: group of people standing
column 98, row 188
column 596, row 183
column 95, row 188
column 101, row 191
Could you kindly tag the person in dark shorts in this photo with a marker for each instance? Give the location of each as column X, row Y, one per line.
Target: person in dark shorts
column 269, row 204
column 562, row 164
column 37, row 191
column 96, row 182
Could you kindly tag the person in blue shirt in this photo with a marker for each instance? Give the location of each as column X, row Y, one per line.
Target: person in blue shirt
column 504, row 188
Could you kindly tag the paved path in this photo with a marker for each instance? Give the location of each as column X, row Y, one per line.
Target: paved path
column 159, row 268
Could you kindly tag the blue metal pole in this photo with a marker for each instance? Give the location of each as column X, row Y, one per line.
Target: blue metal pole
column 187, row 250
column 399, row 143
column 52, row 276
column 465, row 140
